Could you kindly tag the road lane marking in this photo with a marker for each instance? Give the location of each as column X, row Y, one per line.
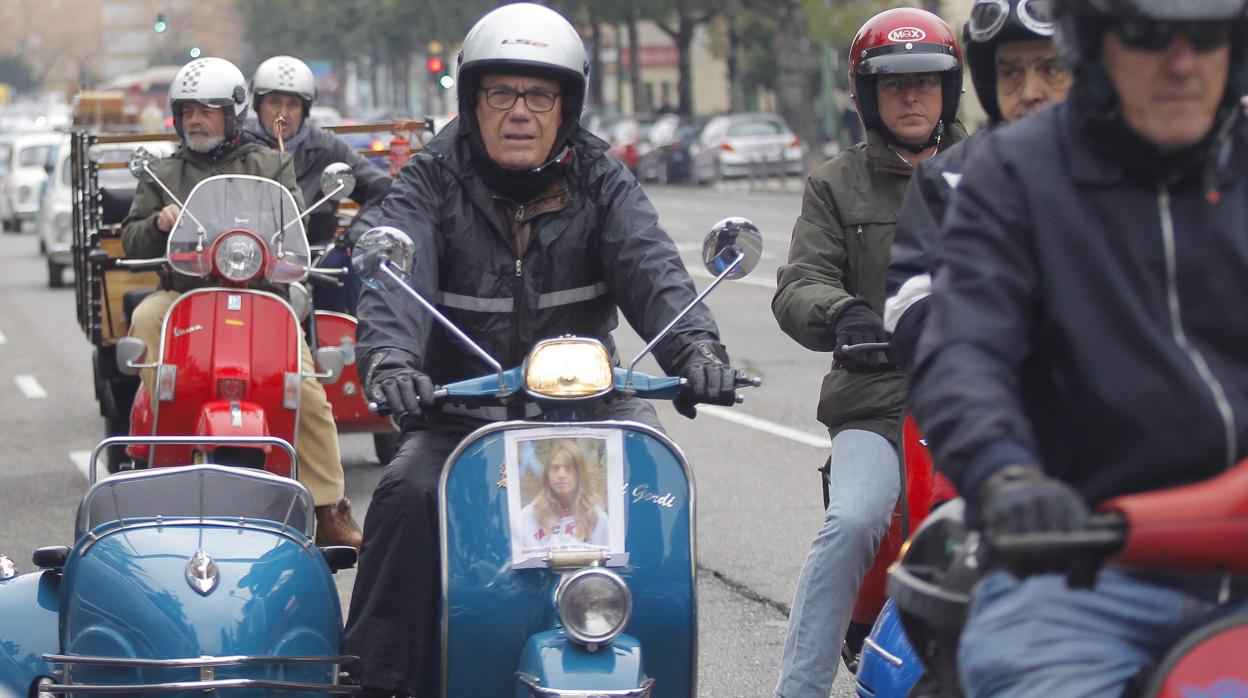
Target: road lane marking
column 82, row 460
column 745, row 420
column 29, row 385
column 749, row 280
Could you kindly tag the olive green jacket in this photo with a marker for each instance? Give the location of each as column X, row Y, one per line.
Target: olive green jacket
column 840, row 250
column 181, row 171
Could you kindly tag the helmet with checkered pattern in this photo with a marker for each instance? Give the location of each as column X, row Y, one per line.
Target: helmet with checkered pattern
column 284, row 74
column 212, row 82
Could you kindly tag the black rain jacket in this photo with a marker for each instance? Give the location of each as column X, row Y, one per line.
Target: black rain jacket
column 604, row 250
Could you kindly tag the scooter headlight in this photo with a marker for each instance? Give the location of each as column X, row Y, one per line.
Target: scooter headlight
column 238, row 257
column 569, row 367
column 594, row 606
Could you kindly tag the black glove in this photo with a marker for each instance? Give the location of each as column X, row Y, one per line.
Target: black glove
column 854, row 322
column 397, row 388
column 1022, row 499
column 708, row 377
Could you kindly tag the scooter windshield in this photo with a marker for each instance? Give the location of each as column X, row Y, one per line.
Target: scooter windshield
column 229, row 203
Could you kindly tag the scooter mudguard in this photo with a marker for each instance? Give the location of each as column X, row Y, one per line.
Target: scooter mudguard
column 889, row 665
column 491, row 611
column 558, row 663
column 919, row 496
column 30, row 609
column 128, row 593
column 346, row 396
column 222, row 418
column 1209, row 663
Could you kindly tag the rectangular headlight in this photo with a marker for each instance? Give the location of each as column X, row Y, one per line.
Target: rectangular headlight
column 569, row 367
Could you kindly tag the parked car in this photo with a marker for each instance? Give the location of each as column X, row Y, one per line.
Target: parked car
column 628, row 140
column 742, row 145
column 30, row 157
column 669, row 159
column 54, row 221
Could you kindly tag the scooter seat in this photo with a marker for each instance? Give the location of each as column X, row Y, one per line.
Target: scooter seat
column 115, row 204
column 131, row 299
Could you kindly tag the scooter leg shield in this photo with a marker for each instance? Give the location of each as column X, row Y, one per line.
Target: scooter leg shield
column 30, row 609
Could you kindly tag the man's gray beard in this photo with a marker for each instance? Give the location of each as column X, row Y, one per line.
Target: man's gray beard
column 203, row 144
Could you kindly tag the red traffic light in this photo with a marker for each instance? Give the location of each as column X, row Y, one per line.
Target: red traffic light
column 434, row 64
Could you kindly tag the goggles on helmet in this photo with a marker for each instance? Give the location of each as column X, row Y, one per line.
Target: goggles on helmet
column 1151, row 35
column 989, row 16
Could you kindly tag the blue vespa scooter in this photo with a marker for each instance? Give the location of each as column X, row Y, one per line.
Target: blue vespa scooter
column 529, row 610
column 183, row 581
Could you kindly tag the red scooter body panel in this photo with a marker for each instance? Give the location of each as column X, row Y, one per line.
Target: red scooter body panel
column 347, row 395
column 1202, row 526
column 230, row 347
column 1209, row 662
column 924, row 487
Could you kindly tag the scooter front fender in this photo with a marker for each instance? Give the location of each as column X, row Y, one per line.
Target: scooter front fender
column 30, row 607
column 557, row 663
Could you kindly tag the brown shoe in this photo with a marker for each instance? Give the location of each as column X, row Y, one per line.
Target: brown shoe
column 335, row 526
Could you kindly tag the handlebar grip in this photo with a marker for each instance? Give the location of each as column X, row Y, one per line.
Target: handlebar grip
column 745, row 380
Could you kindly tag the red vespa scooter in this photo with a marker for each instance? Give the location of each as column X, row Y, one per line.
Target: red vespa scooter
column 230, row 359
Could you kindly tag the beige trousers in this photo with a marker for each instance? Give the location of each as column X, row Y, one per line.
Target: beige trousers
column 320, row 465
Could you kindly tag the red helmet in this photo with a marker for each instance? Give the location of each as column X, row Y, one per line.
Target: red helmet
column 904, row 40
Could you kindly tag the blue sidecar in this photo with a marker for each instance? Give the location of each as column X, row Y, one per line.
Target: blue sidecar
column 182, row 580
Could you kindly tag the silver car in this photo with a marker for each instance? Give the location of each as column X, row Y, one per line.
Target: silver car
column 745, row 145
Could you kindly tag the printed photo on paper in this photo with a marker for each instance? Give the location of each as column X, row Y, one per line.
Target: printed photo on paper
column 565, row 491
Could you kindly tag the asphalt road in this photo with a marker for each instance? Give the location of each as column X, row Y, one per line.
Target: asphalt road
column 758, row 493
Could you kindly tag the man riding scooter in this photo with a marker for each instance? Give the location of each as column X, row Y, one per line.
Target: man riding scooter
column 1016, row 71
column 524, row 230
column 1078, row 346
column 282, row 92
column 208, row 98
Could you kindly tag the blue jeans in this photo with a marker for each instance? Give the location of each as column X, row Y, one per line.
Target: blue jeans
column 865, row 483
column 1039, row 638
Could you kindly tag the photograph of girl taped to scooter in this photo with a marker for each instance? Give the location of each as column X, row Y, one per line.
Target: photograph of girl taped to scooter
column 560, row 492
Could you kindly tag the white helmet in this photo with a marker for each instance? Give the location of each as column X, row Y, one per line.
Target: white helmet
column 213, row 82
column 285, row 74
column 524, row 38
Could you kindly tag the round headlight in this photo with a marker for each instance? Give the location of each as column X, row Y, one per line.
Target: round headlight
column 239, row 257
column 594, row 606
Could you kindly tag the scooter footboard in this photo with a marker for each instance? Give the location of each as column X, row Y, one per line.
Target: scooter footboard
column 500, row 616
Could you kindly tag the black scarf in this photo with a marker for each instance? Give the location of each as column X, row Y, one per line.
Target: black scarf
column 520, row 186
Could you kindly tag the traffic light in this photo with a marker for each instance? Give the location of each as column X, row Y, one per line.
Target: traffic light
column 434, row 64
column 446, row 81
column 161, row 25
column 195, row 52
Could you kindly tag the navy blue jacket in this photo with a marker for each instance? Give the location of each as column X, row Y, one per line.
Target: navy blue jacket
column 1086, row 321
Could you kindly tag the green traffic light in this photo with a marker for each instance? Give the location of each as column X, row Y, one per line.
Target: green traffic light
column 446, row 81
column 161, row 25
column 195, row 52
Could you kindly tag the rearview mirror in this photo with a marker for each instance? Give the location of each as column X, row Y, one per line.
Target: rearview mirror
column 337, row 181
column 380, row 245
column 141, row 162
column 731, row 238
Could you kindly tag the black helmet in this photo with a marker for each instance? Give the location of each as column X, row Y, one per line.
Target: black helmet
column 992, row 23
column 1081, row 25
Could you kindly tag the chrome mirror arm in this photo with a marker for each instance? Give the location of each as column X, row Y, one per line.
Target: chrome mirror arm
column 446, row 323
column 628, row 380
column 329, row 195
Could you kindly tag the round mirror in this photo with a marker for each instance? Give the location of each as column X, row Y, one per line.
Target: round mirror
column 337, row 181
column 142, row 161
column 378, row 246
column 730, row 238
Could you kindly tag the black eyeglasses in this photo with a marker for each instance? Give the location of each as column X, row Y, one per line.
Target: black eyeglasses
column 537, row 100
column 1149, row 35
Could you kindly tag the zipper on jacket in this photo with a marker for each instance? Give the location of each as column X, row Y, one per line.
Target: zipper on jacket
column 862, row 253
column 519, row 267
column 1180, row 335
